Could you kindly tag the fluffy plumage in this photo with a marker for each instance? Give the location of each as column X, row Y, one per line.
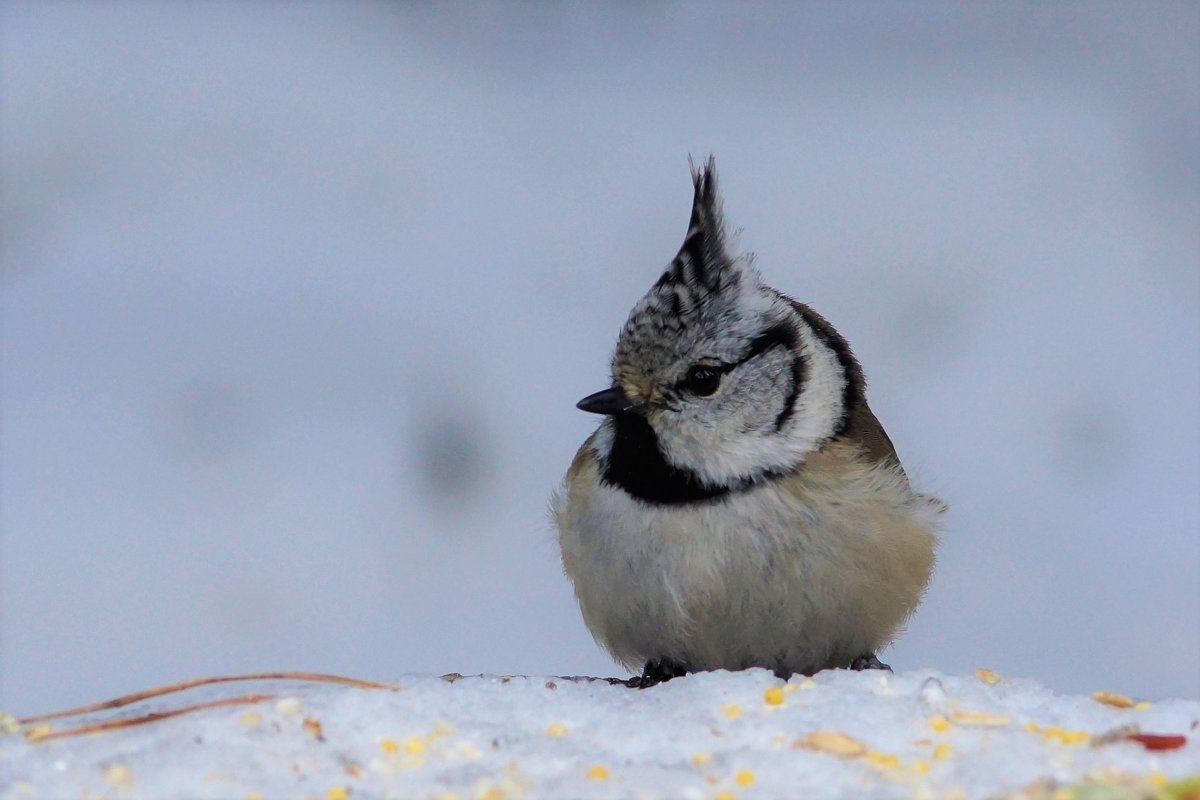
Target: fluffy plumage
column 740, row 505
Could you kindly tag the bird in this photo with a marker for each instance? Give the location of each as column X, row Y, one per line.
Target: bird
column 739, row 505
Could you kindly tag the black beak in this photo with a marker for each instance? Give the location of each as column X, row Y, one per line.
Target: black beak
column 609, row 401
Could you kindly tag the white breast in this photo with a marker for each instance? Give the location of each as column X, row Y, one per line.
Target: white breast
column 795, row 575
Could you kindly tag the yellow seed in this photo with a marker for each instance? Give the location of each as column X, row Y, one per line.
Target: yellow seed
column 1062, row 793
column 725, row 795
column 8, row 723
column 808, row 683
column 1112, row 699
column 1074, row 737
column 835, row 743
column 921, row 767
column 389, row 746
column 288, row 706
column 39, row 731
column 1032, row 727
column 773, row 696
column 492, row 793
column 557, row 729
column 414, row 746
column 117, row 773
column 1142, row 706
column 701, row 759
column 942, row 752
column 788, row 688
column 979, row 718
column 744, row 777
column 886, row 760
column 337, row 793
column 732, row 710
column 988, row 676
column 1054, row 734
column 939, row 723
column 597, row 772
column 1158, row 780
column 254, row 796
column 250, row 718
column 1061, row 736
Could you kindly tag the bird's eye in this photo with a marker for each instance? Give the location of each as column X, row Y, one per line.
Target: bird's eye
column 702, row 381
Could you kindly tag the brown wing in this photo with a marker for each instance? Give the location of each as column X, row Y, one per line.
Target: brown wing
column 864, row 429
column 861, row 427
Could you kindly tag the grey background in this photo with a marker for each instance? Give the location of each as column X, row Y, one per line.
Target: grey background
column 297, row 301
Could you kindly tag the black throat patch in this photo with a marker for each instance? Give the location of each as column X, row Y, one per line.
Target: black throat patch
column 637, row 465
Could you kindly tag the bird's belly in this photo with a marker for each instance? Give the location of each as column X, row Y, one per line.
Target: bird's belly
column 727, row 584
column 748, row 581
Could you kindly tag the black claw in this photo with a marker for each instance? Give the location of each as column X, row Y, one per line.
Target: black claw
column 655, row 672
column 868, row 661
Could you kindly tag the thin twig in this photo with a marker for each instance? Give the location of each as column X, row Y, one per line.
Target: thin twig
column 146, row 694
column 154, row 716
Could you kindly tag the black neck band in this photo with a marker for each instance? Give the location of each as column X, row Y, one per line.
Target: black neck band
column 637, row 465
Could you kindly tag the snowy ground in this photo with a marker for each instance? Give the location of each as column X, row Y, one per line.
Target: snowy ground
column 715, row 735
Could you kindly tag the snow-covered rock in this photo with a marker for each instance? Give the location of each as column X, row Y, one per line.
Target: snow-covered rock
column 714, row 735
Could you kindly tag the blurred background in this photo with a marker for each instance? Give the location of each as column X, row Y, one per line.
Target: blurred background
column 298, row 300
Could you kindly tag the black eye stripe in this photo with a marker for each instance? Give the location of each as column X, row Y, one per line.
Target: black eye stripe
column 772, row 337
column 775, row 336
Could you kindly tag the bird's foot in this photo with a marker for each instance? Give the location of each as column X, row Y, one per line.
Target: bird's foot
column 655, row 672
column 868, row 661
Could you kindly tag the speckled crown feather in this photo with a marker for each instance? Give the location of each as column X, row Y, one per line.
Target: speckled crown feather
column 702, row 287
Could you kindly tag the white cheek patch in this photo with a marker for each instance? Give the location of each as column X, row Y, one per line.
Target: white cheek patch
column 725, row 457
column 821, row 405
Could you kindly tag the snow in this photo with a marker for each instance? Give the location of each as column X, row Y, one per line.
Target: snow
column 710, row 735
